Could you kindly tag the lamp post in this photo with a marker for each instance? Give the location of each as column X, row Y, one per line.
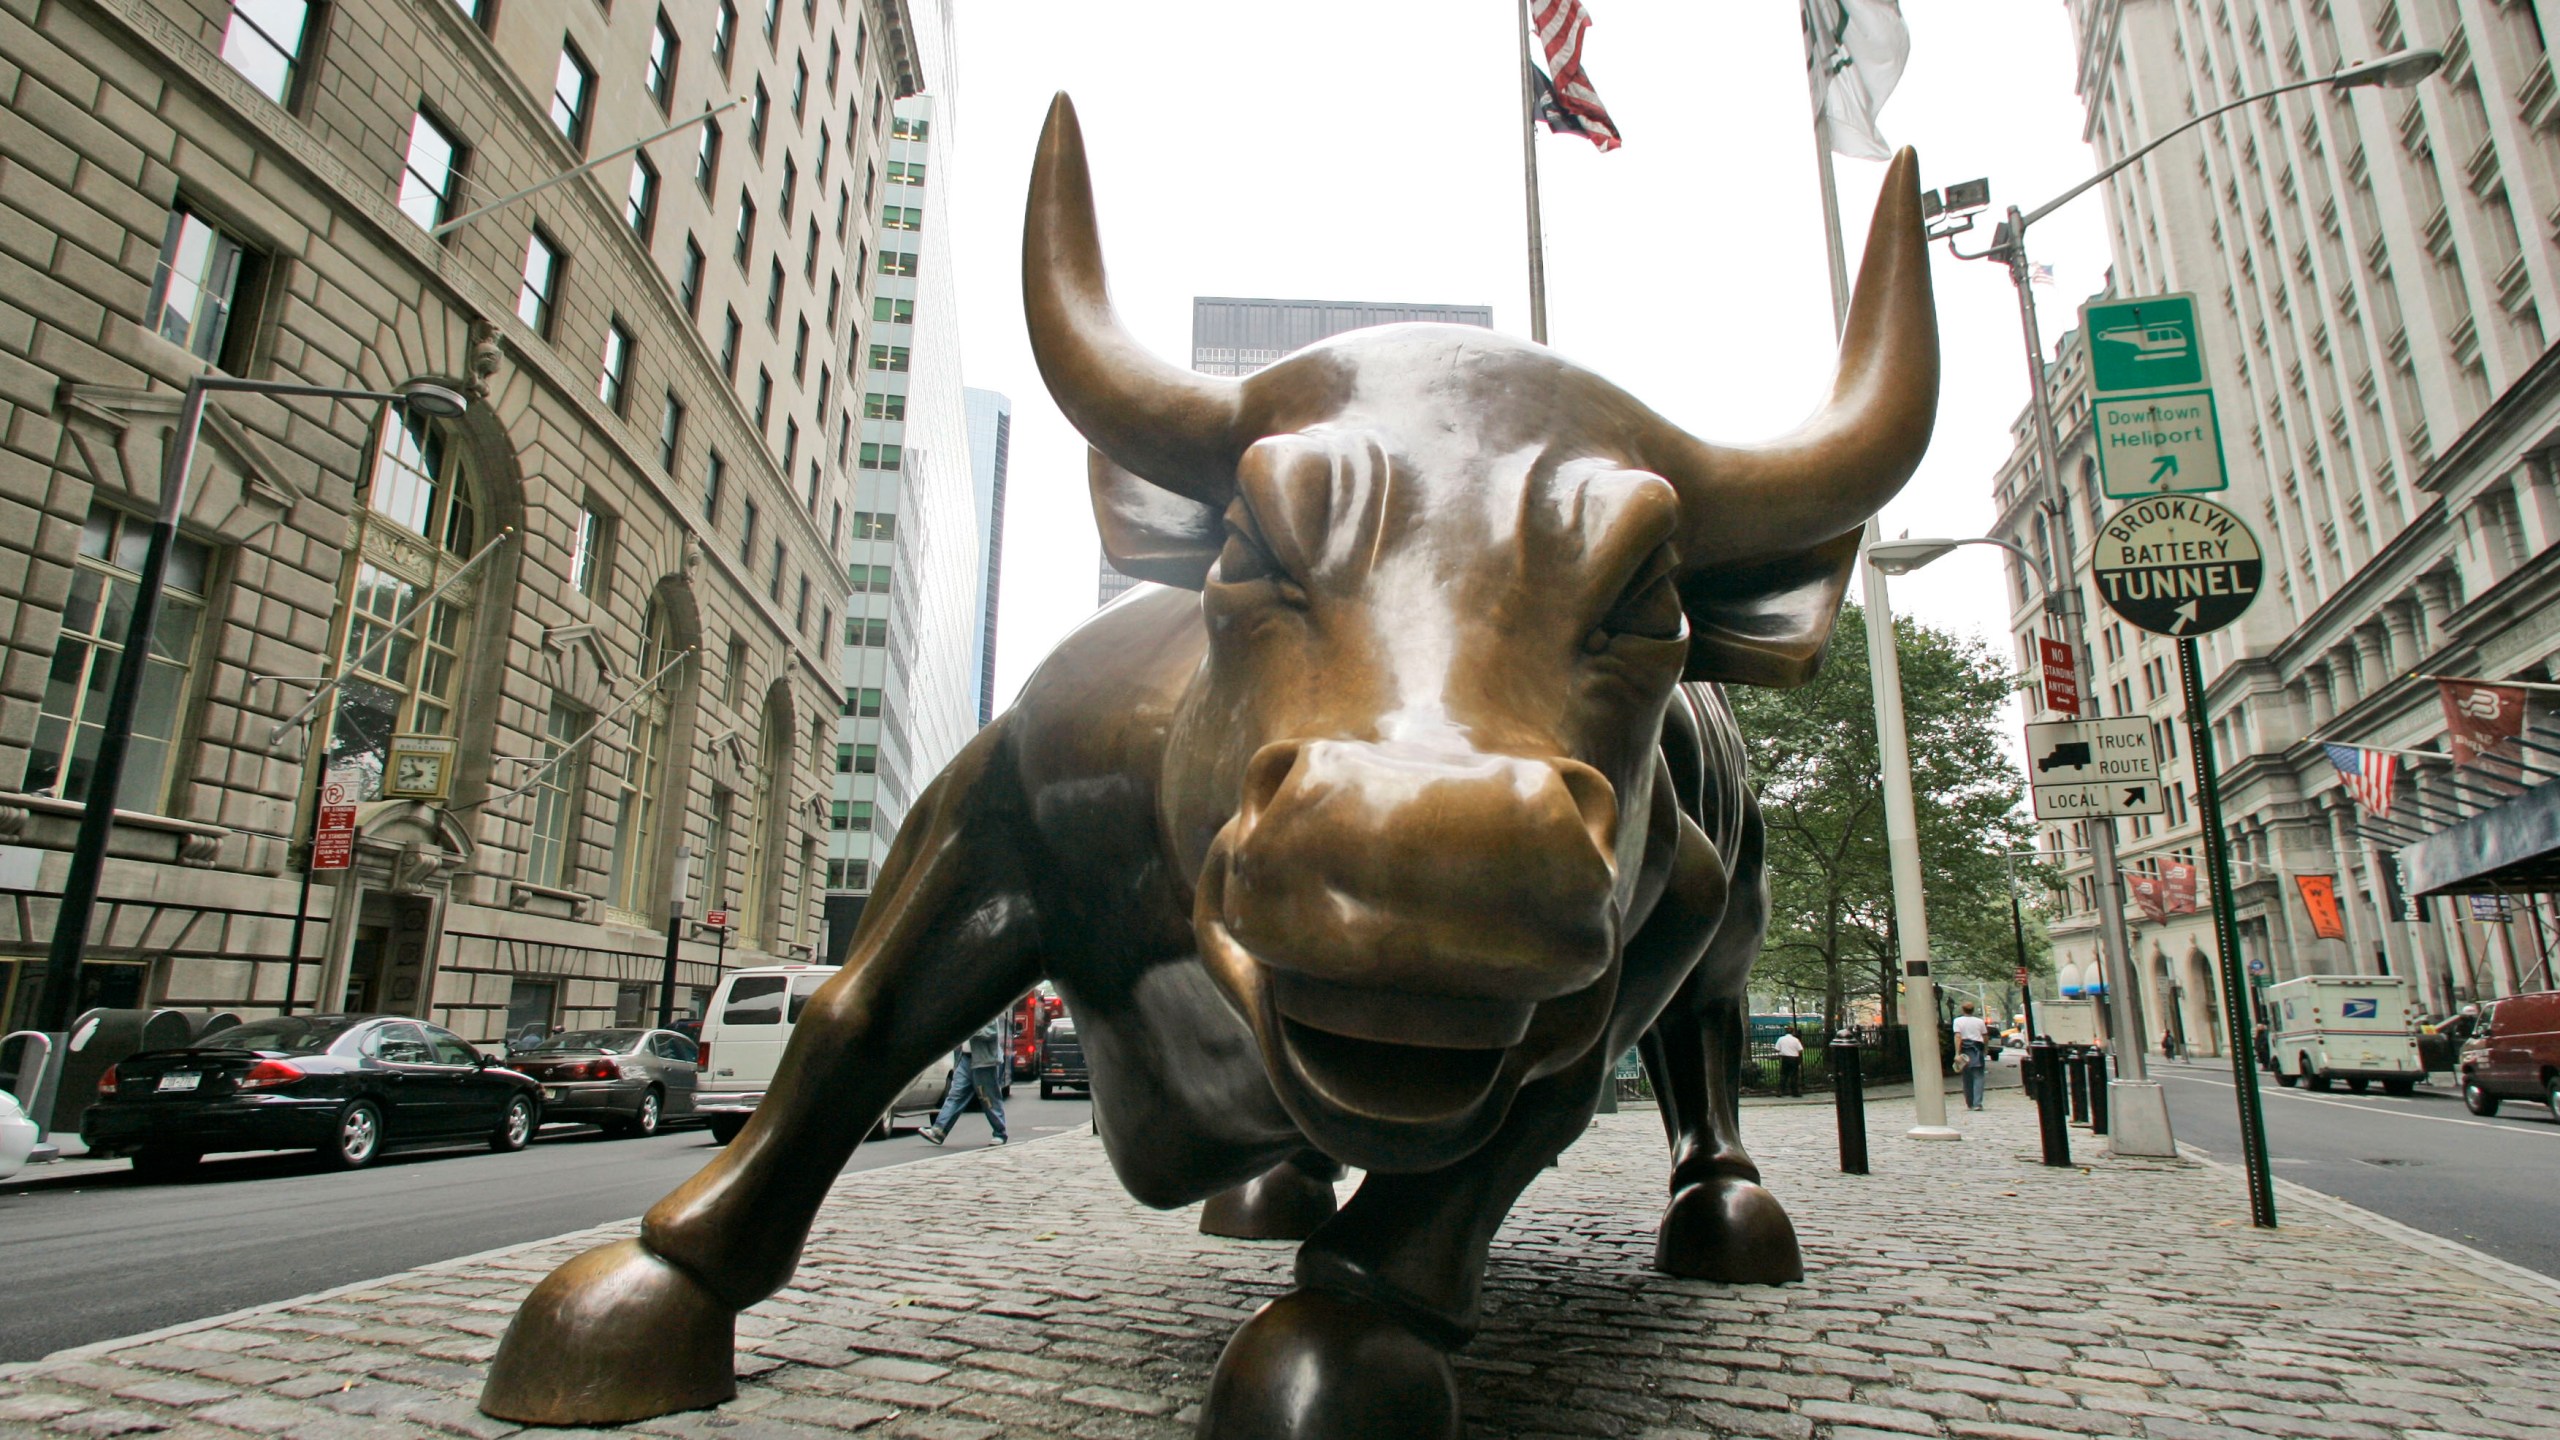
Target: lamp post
column 115, row 735
column 2141, row 1111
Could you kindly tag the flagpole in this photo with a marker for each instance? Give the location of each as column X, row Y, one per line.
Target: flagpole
column 1529, row 175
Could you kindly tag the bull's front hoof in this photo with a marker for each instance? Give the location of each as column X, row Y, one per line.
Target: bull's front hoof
column 1312, row 1366
column 1282, row 1203
column 617, row 1334
column 1728, row 1229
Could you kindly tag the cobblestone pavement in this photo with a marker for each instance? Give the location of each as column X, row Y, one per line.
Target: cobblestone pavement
column 1962, row 1290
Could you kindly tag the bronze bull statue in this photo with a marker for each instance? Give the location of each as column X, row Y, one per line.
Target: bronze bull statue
column 1370, row 841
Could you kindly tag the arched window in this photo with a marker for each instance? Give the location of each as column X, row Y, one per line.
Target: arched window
column 635, row 806
column 763, row 892
column 420, row 526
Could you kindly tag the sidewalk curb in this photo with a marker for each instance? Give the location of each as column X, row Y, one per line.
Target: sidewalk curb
column 610, row 1229
column 2531, row 1284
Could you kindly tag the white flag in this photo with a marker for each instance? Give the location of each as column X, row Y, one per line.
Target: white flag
column 1859, row 48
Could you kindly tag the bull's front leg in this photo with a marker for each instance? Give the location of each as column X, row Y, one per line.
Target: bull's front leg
column 1286, row 1202
column 1721, row 1224
column 1389, row 1286
column 645, row 1327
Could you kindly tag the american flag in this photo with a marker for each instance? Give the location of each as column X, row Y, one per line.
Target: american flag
column 2367, row 774
column 1561, row 25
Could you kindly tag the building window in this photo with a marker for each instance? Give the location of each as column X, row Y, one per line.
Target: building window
column 835, row 297
column 539, row 300
column 790, row 446
column 615, row 374
column 714, row 471
column 901, row 217
column 870, row 633
column 906, row 172
column 635, row 806
column 773, row 585
column 747, row 539
column 868, row 579
column 689, row 278
column 894, row 262
column 591, row 552
column 661, row 75
column 835, row 63
column 88, row 654
column 800, row 352
column 743, row 242
column 874, row 525
column 799, row 88
column 733, row 680
column 196, row 285
column 866, row 759
column 894, row 309
column 724, row 34
column 838, row 811
column 731, row 332
column 717, row 829
column 844, row 210
column 879, row 405
column 573, row 97
column 859, row 811
column 826, row 396
column 809, row 257
column 706, row 156
column 773, row 297
column 800, row 614
column 640, row 201
column 772, row 17
column 409, row 681
column 431, row 175
column 264, row 42
column 790, row 189
column 759, row 110
column 764, row 398
column 826, row 152
column 555, row 800
column 867, row 703
column 881, row 457
column 670, row 432
column 889, row 357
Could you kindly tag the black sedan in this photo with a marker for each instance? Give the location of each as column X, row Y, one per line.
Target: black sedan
column 348, row 1086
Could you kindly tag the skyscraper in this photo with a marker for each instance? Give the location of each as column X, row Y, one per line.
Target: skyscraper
column 990, row 452
column 2374, row 274
column 1237, row 337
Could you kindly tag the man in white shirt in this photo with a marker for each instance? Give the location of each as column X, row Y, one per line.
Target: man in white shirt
column 1790, row 1064
column 1973, row 1043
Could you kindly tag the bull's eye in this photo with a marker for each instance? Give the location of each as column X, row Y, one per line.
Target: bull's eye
column 1650, row 610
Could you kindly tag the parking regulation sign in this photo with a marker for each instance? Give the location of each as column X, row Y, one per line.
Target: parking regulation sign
column 2176, row 565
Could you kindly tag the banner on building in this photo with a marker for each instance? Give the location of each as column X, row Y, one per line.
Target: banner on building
column 2148, row 896
column 2478, row 718
column 2178, row 887
column 2320, row 901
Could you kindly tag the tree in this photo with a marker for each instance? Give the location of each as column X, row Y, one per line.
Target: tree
column 1814, row 759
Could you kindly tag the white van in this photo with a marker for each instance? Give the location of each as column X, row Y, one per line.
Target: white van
column 2327, row 1028
column 743, row 1036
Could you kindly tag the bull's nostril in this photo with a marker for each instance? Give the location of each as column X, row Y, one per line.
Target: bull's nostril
column 1264, row 774
column 1595, row 799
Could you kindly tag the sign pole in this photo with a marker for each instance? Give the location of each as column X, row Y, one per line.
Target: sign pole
column 2226, row 938
column 675, row 929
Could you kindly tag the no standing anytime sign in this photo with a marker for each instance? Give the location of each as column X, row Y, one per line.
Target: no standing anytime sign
column 2176, row 565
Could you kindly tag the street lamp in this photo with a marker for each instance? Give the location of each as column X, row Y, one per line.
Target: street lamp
column 2140, row 1110
column 106, row 773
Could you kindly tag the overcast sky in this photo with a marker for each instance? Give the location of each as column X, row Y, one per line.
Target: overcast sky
column 1373, row 153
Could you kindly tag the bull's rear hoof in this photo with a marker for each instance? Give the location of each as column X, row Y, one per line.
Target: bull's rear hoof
column 617, row 1334
column 1312, row 1366
column 1282, row 1203
column 1728, row 1229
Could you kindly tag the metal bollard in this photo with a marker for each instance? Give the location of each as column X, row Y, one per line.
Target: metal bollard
column 2097, row 1092
column 2051, row 1120
column 2075, row 1066
column 1849, row 1100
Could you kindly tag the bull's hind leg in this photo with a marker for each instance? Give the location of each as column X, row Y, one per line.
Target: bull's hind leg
column 644, row 1327
column 1721, row 1224
column 1286, row 1202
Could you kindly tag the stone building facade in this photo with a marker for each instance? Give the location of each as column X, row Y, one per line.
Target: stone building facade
column 2376, row 271
column 634, row 539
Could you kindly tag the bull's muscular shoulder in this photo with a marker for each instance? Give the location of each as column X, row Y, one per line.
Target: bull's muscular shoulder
column 1090, row 724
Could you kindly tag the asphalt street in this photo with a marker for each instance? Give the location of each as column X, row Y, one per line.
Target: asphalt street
column 101, row 1255
column 2424, row 1161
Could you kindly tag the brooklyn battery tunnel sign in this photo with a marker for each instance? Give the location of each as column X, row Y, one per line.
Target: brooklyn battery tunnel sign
column 2176, row 565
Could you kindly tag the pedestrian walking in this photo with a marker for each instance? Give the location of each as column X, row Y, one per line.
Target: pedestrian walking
column 1972, row 1043
column 983, row 1060
column 1790, row 1063
column 2168, row 1045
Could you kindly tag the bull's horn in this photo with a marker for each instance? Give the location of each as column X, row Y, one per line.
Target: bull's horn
column 1175, row 427
column 1765, row 501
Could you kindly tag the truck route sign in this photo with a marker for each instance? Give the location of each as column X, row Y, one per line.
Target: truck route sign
column 2176, row 565
column 2086, row 769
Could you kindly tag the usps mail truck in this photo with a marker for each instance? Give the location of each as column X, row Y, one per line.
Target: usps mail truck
column 2351, row 1028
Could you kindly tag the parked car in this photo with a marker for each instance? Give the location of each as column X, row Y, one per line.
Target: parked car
column 2515, row 1054
column 1062, row 1064
column 17, row 1136
column 2353, row 1028
column 1031, row 1017
column 630, row 1081
column 743, row 1038
column 347, row 1086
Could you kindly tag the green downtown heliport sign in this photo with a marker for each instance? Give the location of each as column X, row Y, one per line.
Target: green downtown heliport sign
column 2152, row 411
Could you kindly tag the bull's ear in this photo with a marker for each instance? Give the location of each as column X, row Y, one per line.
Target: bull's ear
column 1769, row 623
column 1150, row 532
